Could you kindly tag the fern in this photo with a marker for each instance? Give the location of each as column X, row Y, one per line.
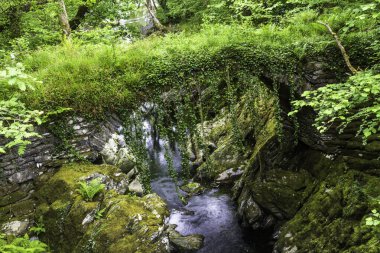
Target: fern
column 38, row 228
column 22, row 245
column 99, row 214
column 89, row 190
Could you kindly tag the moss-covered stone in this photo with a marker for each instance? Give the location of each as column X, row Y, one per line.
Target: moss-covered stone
column 373, row 146
column 256, row 124
column 126, row 224
column 12, row 198
column 20, row 210
column 131, row 224
column 282, row 192
column 184, row 244
column 332, row 220
column 192, row 188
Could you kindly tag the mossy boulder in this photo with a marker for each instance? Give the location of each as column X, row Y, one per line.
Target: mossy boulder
column 184, row 244
column 112, row 222
column 282, row 192
column 192, row 188
column 64, row 183
column 130, row 224
column 332, row 220
column 275, row 197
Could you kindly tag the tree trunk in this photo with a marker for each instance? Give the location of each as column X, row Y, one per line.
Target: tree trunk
column 64, row 21
column 151, row 7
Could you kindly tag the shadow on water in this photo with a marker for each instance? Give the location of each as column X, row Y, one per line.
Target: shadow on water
column 211, row 214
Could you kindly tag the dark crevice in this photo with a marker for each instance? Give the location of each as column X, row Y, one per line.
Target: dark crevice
column 81, row 13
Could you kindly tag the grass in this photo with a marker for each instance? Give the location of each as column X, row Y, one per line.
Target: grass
column 96, row 79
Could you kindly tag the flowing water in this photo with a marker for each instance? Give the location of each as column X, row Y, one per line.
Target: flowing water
column 211, row 214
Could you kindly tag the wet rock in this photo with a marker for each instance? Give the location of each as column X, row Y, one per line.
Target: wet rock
column 136, row 186
column 290, row 249
column 184, row 244
column 15, row 228
column 229, row 176
column 115, row 152
column 89, row 217
column 250, row 211
column 132, row 173
column 192, row 188
column 125, row 160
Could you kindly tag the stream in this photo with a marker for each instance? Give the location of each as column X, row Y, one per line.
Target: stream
column 211, row 214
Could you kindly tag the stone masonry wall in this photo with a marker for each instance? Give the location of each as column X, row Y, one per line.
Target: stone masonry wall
column 18, row 173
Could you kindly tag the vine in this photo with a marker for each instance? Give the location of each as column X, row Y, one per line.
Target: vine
column 135, row 137
column 184, row 123
column 278, row 111
column 232, row 103
column 293, row 92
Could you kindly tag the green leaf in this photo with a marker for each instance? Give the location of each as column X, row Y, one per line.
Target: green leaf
column 22, row 86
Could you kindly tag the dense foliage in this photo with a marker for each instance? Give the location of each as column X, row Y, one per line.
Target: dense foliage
column 229, row 45
column 338, row 105
column 210, row 54
column 22, row 245
column 16, row 121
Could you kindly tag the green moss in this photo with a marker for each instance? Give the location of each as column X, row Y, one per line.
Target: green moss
column 282, row 192
column 23, row 208
column 192, row 188
column 12, row 198
column 128, row 223
column 132, row 224
column 64, row 183
column 256, row 123
column 333, row 218
column 373, row 146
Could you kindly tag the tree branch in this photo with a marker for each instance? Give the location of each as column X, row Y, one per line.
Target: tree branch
column 341, row 47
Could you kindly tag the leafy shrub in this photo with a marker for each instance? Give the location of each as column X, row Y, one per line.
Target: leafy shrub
column 16, row 121
column 343, row 103
column 89, row 190
column 22, row 245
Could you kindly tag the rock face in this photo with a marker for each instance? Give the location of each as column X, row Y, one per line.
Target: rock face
column 229, row 176
column 62, row 142
column 333, row 218
column 112, row 222
column 310, row 192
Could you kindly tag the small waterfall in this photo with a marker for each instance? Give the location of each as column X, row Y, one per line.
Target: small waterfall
column 211, row 214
